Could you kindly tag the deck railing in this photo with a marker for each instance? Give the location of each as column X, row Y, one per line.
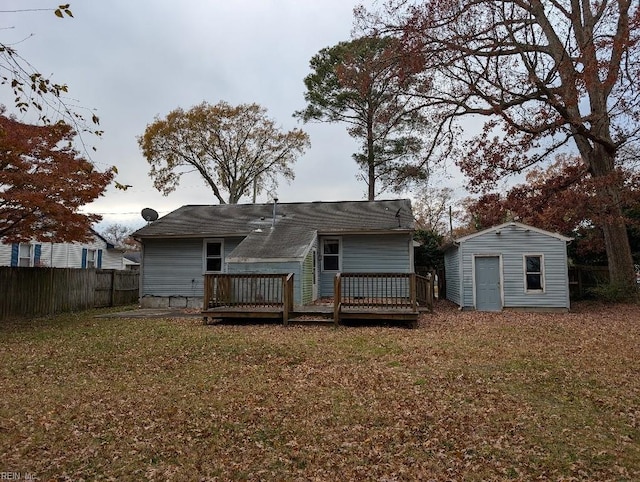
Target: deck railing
column 248, row 291
column 373, row 290
column 381, row 291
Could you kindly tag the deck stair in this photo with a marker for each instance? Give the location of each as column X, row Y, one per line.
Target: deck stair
column 320, row 313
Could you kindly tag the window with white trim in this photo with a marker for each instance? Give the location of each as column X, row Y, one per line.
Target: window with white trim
column 25, row 254
column 534, row 275
column 331, row 255
column 213, row 256
column 91, row 258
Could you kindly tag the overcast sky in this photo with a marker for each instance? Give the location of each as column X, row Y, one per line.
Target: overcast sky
column 134, row 59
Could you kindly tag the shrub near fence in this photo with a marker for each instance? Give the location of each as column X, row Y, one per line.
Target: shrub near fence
column 44, row 291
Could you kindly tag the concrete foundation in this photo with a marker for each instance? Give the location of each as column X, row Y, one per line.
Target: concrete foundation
column 175, row 302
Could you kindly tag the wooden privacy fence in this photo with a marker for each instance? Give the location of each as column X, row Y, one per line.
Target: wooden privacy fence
column 44, row 291
column 425, row 290
column 584, row 278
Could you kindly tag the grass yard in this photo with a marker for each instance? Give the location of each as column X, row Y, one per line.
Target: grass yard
column 466, row 396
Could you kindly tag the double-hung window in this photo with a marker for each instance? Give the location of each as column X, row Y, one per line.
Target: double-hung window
column 213, row 256
column 91, row 258
column 24, row 255
column 534, row 272
column 331, row 255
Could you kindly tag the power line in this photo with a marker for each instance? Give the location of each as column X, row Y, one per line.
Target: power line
column 123, row 214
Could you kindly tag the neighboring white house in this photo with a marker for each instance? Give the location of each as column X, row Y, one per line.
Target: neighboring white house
column 97, row 253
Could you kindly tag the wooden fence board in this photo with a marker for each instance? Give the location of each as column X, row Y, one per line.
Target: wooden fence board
column 44, row 291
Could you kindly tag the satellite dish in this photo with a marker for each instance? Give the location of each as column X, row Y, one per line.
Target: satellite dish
column 149, row 214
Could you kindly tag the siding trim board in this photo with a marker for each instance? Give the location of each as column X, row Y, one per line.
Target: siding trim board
column 265, row 260
column 512, row 224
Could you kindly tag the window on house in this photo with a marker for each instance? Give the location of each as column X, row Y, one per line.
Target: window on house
column 533, row 273
column 213, row 256
column 331, row 255
column 91, row 258
column 24, row 255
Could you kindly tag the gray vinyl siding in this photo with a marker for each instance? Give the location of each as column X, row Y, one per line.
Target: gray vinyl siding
column 512, row 244
column 273, row 268
column 307, row 279
column 383, row 253
column 452, row 274
column 174, row 267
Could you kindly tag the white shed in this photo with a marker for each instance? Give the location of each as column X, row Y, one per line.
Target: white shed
column 510, row 266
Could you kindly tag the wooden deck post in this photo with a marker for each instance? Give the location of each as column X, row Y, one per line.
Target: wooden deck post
column 337, row 298
column 413, row 293
column 207, row 292
column 287, row 297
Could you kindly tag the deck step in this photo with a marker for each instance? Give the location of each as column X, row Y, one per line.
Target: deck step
column 310, row 320
column 311, row 316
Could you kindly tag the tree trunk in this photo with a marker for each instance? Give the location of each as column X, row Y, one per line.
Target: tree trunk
column 616, row 239
column 372, row 182
column 371, row 161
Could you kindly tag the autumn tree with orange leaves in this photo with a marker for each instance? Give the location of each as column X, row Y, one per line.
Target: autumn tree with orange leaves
column 237, row 150
column 546, row 75
column 563, row 199
column 44, row 183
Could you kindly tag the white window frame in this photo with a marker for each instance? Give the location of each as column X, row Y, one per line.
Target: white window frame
column 92, row 258
column 29, row 256
column 204, row 254
column 543, row 281
column 324, row 241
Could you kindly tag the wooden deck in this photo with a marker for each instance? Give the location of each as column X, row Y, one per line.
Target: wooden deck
column 398, row 297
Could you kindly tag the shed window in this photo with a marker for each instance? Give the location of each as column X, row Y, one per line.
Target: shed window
column 331, row 255
column 534, row 279
column 213, row 256
column 24, row 256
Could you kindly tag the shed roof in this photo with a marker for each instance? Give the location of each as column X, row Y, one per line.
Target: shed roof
column 224, row 220
column 515, row 224
column 288, row 242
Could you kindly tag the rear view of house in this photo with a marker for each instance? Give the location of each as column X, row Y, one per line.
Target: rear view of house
column 510, row 266
column 313, row 241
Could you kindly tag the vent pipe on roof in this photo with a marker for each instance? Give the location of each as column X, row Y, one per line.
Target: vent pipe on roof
column 275, row 203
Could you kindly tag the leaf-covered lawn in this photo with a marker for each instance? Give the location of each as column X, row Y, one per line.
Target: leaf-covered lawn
column 473, row 396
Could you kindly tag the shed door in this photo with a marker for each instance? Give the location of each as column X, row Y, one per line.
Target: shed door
column 487, row 283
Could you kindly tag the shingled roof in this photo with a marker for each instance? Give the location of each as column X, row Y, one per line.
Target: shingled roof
column 224, row 220
column 290, row 236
